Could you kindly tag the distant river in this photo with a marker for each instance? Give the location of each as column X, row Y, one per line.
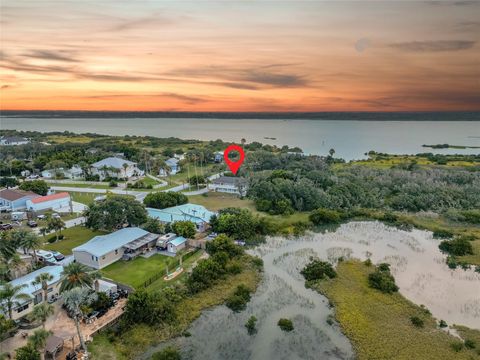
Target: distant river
column 351, row 139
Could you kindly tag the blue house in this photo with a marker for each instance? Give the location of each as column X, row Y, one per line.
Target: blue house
column 191, row 212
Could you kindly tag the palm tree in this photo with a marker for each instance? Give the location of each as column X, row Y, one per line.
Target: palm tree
column 76, row 275
column 31, row 242
column 331, row 152
column 11, row 295
column 38, row 341
column 74, row 300
column 42, row 312
column 56, row 224
column 43, row 279
column 243, row 141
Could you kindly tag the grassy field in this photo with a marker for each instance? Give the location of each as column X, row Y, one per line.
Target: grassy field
column 136, row 340
column 379, row 324
column 215, row 201
column 137, row 271
column 83, row 197
column 81, row 186
column 73, row 237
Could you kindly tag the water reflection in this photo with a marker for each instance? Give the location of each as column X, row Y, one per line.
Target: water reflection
column 416, row 262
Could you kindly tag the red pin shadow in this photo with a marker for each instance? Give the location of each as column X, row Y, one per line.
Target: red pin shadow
column 234, row 165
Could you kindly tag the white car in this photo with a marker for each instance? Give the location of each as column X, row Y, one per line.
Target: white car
column 46, row 256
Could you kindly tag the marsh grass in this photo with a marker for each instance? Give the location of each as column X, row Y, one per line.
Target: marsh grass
column 140, row 337
column 379, row 325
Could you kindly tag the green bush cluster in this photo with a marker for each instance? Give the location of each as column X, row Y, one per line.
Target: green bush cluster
column 317, row 270
column 381, row 279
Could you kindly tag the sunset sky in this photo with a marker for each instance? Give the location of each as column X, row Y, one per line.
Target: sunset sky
column 239, row 55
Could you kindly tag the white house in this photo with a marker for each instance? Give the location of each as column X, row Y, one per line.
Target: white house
column 172, row 163
column 176, row 244
column 35, row 292
column 197, row 214
column 116, row 168
column 229, row 184
column 15, row 199
column 74, row 173
column 50, row 202
column 104, row 250
column 13, row 140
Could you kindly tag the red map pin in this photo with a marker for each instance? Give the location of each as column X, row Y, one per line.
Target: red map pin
column 234, row 165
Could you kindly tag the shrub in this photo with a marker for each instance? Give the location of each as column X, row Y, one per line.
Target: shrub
column 169, row 353
column 251, row 325
column 112, row 183
column 324, row 216
column 470, row 344
column 382, row 280
column 456, row 346
column 52, row 239
column 285, row 324
column 317, row 270
column 239, row 299
column 416, row 321
column 443, row 324
column 459, row 246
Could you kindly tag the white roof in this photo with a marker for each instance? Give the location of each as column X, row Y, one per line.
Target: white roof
column 113, row 162
column 103, row 244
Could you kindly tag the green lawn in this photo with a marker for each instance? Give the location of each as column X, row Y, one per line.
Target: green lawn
column 379, row 324
column 93, row 186
column 83, row 197
column 215, row 201
column 138, row 270
column 160, row 283
column 73, row 237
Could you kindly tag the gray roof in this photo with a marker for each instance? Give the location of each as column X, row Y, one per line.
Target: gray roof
column 172, row 161
column 103, row 244
column 228, row 180
column 114, row 162
column 30, row 289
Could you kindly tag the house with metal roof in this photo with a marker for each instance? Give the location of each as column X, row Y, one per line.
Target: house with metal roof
column 191, row 212
column 176, row 244
column 35, row 292
column 229, row 184
column 104, row 250
column 115, row 167
column 56, row 201
column 172, row 167
column 15, row 199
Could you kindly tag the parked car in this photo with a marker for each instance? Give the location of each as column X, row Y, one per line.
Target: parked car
column 41, row 217
column 58, row 256
column 46, row 256
column 6, row 226
column 56, row 216
column 32, row 223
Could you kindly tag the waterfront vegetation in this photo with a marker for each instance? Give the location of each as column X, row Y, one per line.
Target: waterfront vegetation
column 380, row 324
column 155, row 315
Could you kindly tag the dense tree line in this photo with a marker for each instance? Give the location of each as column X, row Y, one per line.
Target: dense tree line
column 312, row 184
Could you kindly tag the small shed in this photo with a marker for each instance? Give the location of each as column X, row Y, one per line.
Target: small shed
column 176, row 244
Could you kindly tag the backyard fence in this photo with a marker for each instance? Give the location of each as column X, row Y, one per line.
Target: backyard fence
column 161, row 274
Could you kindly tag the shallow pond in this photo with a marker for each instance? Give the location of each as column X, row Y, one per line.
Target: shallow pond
column 417, row 264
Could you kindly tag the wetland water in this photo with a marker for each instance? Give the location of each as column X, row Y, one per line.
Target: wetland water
column 417, row 264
